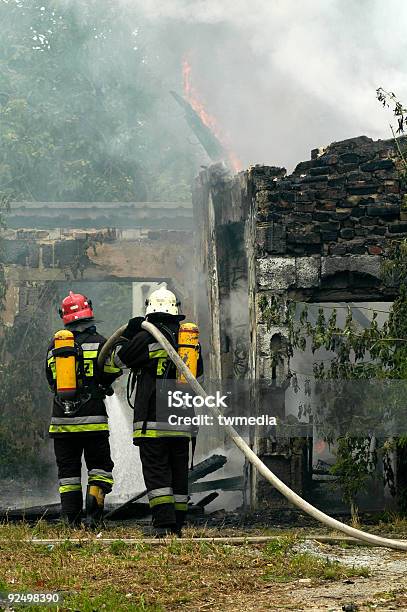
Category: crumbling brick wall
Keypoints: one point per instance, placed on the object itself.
(318, 234)
(346, 200)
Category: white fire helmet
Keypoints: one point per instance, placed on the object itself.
(162, 300)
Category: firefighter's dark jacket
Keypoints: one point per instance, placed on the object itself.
(90, 415)
(155, 375)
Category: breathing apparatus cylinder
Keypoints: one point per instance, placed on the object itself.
(65, 365)
(188, 349)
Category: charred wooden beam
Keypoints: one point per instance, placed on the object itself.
(206, 137)
(234, 483)
(202, 469)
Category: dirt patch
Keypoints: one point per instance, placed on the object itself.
(384, 589)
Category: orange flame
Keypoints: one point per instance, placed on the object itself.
(192, 97)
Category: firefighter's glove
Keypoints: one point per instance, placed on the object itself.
(133, 327)
(129, 353)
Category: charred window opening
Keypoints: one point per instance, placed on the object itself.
(278, 352)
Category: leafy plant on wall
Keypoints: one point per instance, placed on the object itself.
(366, 370)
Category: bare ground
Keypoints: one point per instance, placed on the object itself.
(385, 588)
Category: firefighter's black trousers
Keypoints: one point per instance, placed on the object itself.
(165, 470)
(68, 452)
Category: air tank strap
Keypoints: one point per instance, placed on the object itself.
(67, 351)
(193, 447)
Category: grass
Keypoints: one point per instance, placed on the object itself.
(393, 523)
(44, 530)
(140, 577)
(286, 564)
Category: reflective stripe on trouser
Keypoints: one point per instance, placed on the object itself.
(165, 470)
(79, 424)
(160, 429)
(181, 502)
(101, 477)
(68, 452)
(67, 485)
(163, 495)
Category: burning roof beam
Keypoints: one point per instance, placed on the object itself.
(208, 140)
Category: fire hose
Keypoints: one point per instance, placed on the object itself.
(278, 484)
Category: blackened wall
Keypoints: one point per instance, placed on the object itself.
(347, 199)
(318, 234)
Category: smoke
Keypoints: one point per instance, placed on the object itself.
(285, 76)
(234, 466)
(279, 76)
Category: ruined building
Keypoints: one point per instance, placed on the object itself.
(316, 235)
(60, 242)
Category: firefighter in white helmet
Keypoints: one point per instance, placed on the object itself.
(163, 301)
(164, 448)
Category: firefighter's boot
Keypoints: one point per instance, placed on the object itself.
(95, 502)
(71, 520)
(162, 532)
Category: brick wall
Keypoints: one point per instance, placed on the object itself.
(346, 200)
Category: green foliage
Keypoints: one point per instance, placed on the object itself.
(4, 205)
(389, 100)
(354, 465)
(24, 397)
(376, 354)
(106, 598)
(84, 110)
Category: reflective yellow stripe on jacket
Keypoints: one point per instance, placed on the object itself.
(157, 429)
(110, 367)
(78, 424)
(155, 351)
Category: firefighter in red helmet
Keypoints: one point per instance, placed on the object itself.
(79, 425)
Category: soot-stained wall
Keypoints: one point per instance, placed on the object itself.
(318, 234)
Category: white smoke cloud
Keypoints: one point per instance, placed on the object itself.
(285, 76)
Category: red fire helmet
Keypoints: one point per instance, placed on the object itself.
(75, 307)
